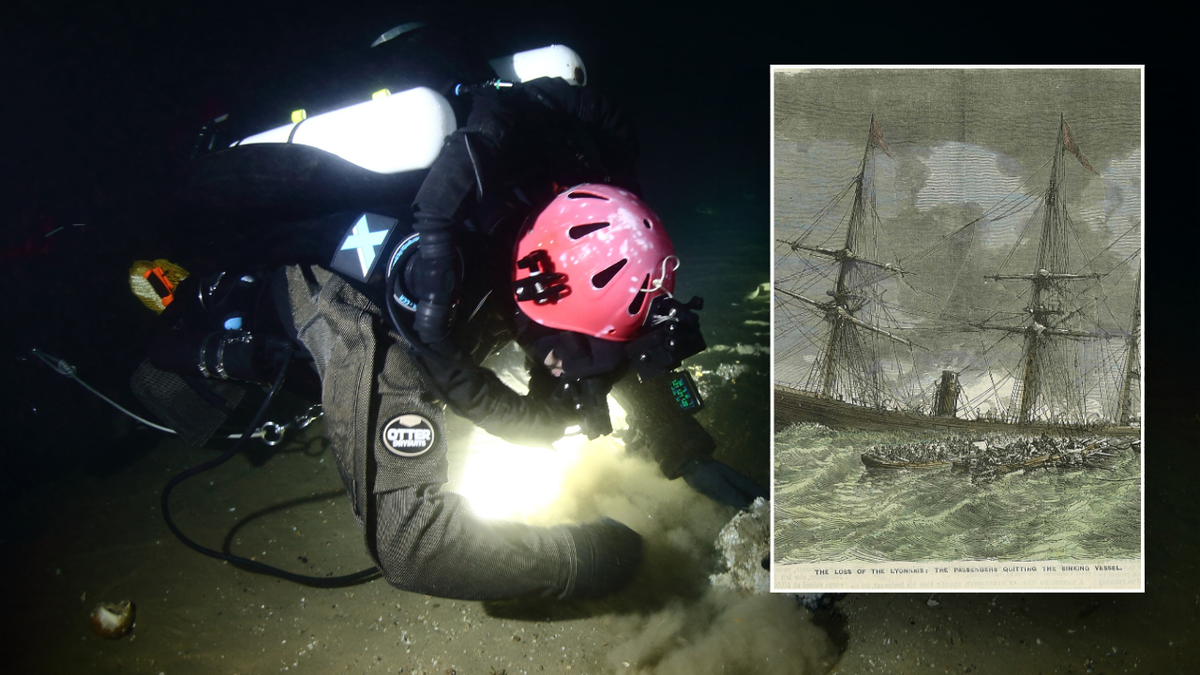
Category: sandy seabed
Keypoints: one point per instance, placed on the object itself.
(104, 540)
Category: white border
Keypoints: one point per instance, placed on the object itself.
(984, 587)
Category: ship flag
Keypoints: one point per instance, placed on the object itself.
(876, 137)
(1070, 146)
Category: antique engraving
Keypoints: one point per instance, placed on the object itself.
(957, 328)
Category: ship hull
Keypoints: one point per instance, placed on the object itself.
(793, 406)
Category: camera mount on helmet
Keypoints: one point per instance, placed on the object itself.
(542, 285)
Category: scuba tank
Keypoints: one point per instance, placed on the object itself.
(393, 133)
(389, 134)
(551, 61)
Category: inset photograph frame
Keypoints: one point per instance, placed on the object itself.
(957, 328)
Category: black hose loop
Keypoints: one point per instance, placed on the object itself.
(246, 563)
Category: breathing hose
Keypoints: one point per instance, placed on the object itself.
(246, 563)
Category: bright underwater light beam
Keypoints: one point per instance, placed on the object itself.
(505, 481)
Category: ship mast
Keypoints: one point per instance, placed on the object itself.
(847, 300)
(1053, 263)
(841, 298)
(1132, 360)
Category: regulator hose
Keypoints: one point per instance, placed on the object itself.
(246, 563)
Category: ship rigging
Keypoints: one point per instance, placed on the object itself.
(857, 375)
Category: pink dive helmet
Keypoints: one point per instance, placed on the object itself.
(592, 261)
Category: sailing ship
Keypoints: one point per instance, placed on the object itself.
(855, 381)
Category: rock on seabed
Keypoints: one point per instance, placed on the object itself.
(742, 545)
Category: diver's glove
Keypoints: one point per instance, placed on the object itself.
(607, 555)
(433, 277)
(722, 483)
(589, 397)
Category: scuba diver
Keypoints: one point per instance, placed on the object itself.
(391, 289)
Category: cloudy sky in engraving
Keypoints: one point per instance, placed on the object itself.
(963, 143)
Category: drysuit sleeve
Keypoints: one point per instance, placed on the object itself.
(658, 428)
(477, 394)
(448, 192)
(453, 181)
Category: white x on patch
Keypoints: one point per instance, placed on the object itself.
(365, 241)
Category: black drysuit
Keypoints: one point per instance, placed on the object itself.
(515, 149)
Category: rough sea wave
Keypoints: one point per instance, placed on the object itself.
(829, 507)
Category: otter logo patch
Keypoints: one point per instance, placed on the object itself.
(408, 435)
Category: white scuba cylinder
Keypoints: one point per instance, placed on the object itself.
(389, 134)
(551, 61)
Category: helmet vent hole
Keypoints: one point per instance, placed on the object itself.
(601, 279)
(646, 223)
(636, 305)
(580, 194)
(584, 230)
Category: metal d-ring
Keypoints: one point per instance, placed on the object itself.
(272, 429)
